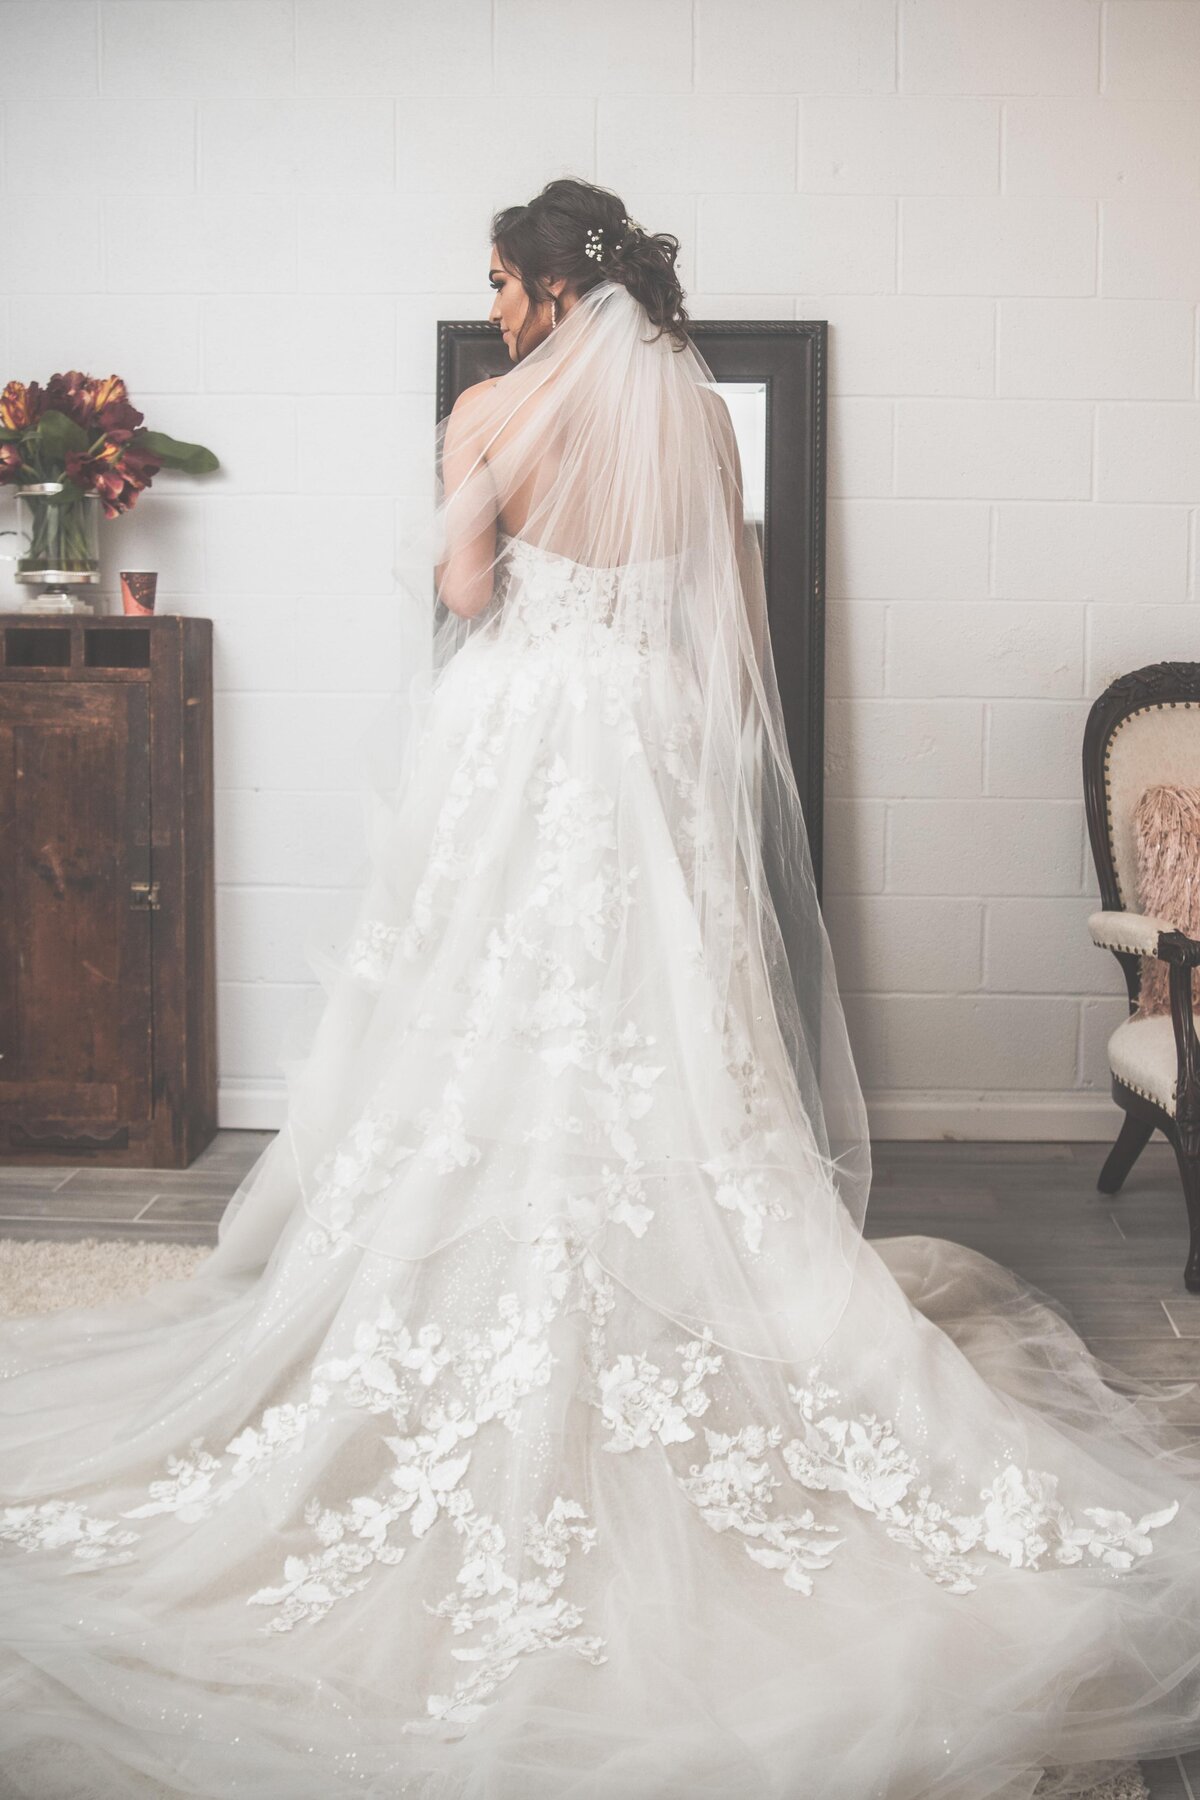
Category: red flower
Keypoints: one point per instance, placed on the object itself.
(110, 464)
(118, 472)
(90, 401)
(69, 394)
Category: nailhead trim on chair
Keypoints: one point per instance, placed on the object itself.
(1168, 1106)
(1146, 1095)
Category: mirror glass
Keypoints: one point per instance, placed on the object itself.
(747, 403)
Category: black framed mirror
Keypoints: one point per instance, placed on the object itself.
(771, 374)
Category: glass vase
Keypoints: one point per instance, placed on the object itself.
(57, 550)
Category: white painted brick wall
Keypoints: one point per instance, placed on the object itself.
(255, 211)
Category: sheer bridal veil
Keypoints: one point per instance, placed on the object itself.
(601, 471)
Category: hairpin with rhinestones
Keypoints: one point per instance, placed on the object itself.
(594, 246)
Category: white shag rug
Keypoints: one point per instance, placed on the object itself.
(43, 1276)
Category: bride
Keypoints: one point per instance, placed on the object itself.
(543, 1425)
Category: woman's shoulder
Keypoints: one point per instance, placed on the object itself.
(467, 414)
(472, 395)
(715, 405)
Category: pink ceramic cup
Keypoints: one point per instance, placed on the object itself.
(138, 589)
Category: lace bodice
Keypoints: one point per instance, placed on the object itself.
(545, 593)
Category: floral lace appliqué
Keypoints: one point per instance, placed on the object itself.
(63, 1525)
(514, 1616)
(734, 1491)
(861, 1458)
(386, 1373)
(372, 948)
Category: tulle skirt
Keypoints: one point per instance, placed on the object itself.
(494, 1454)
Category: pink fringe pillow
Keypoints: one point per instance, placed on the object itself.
(1166, 824)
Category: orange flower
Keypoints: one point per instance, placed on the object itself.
(111, 405)
(104, 392)
(21, 406)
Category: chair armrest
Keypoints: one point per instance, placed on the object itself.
(1137, 932)
(1184, 955)
(1178, 948)
(1144, 935)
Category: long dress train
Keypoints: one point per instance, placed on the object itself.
(436, 1479)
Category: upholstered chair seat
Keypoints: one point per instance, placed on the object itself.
(1141, 1053)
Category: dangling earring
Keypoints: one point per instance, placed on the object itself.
(553, 311)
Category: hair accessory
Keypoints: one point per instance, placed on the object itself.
(594, 246)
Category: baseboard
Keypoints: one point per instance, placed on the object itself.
(251, 1105)
(1081, 1118)
(1058, 1118)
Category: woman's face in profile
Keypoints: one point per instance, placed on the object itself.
(524, 326)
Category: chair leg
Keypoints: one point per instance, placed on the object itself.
(1189, 1174)
(1135, 1134)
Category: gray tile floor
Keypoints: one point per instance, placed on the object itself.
(1114, 1263)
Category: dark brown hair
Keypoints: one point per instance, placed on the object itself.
(548, 238)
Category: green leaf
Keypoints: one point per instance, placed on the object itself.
(173, 454)
(56, 436)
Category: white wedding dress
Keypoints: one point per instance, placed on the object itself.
(490, 1454)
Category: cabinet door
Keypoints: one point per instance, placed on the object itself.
(75, 934)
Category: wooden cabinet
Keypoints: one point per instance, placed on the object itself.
(107, 914)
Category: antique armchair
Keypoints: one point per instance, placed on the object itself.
(1143, 730)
